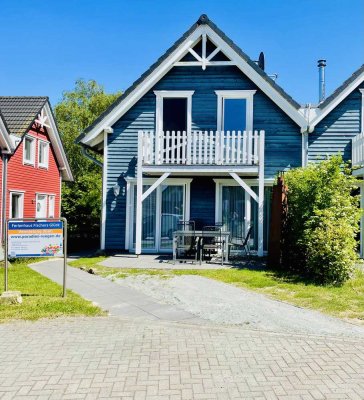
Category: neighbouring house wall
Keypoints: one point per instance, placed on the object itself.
(334, 133)
(33, 179)
(282, 146)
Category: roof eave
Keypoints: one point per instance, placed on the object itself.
(338, 96)
(58, 146)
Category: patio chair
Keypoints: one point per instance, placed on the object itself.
(242, 242)
(186, 247)
(212, 245)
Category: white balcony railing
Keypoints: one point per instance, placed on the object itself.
(201, 147)
(357, 156)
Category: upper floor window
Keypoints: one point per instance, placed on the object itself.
(43, 151)
(173, 110)
(16, 205)
(235, 110)
(29, 150)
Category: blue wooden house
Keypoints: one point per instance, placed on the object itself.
(201, 136)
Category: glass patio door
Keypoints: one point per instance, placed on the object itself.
(233, 210)
(162, 210)
(148, 221)
(172, 211)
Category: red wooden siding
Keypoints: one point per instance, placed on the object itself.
(33, 179)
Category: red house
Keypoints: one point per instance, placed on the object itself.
(33, 162)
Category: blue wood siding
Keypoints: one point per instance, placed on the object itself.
(283, 138)
(334, 133)
(202, 209)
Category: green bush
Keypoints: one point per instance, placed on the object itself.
(319, 239)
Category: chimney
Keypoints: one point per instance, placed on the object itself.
(321, 66)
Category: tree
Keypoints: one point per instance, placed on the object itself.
(81, 199)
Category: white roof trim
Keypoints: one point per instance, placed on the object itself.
(168, 64)
(5, 142)
(57, 145)
(321, 114)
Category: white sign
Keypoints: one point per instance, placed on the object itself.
(35, 239)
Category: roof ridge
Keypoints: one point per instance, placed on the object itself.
(24, 97)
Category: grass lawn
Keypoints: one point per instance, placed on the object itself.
(41, 297)
(345, 302)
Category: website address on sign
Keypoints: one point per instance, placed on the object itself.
(35, 236)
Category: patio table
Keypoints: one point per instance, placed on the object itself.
(198, 234)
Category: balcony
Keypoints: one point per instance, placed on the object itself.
(202, 150)
(357, 157)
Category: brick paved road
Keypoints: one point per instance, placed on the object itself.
(113, 358)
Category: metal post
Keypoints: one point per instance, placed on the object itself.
(6, 259)
(64, 256)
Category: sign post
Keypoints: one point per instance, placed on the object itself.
(35, 237)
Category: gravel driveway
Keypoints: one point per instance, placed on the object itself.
(227, 304)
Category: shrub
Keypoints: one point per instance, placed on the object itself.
(322, 221)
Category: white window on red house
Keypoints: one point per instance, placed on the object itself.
(43, 151)
(16, 205)
(51, 206)
(29, 150)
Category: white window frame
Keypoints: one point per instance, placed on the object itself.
(131, 187)
(33, 144)
(161, 94)
(44, 164)
(21, 194)
(51, 214)
(235, 94)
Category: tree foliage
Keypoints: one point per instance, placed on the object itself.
(81, 199)
(322, 221)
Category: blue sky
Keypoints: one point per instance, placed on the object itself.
(46, 46)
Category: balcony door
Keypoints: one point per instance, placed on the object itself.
(173, 117)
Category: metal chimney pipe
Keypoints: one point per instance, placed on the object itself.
(322, 85)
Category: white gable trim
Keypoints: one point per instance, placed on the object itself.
(5, 142)
(321, 114)
(93, 137)
(57, 145)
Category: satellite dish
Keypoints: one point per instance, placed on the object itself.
(261, 61)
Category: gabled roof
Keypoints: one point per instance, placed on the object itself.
(176, 53)
(19, 113)
(338, 96)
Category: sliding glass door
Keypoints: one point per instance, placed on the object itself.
(162, 210)
(148, 221)
(233, 210)
(236, 210)
(172, 212)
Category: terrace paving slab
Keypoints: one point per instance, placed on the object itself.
(150, 261)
